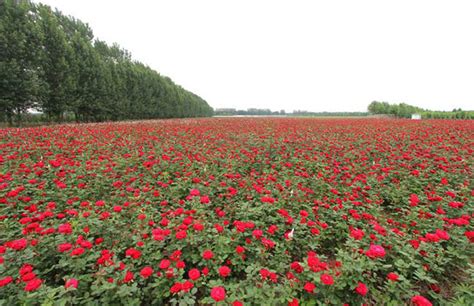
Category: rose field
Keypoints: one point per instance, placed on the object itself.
(238, 211)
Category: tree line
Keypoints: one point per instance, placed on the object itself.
(295, 113)
(52, 63)
(248, 112)
(403, 110)
(304, 113)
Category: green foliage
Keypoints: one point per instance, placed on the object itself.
(52, 63)
(56, 55)
(404, 110)
(19, 57)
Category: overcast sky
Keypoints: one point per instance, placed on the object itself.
(307, 55)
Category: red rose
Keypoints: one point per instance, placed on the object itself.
(219, 228)
(313, 261)
(414, 200)
(239, 249)
(218, 293)
(26, 268)
(309, 287)
(392, 276)
(128, 277)
(33, 284)
(297, 267)
(5, 281)
(71, 283)
(268, 243)
(146, 272)
(187, 285)
(176, 255)
(361, 289)
(257, 234)
(198, 227)
(264, 273)
(419, 300)
(194, 192)
(77, 252)
(181, 235)
(272, 229)
(375, 251)
(135, 254)
(19, 244)
(176, 288)
(164, 264)
(207, 254)
(224, 271)
(194, 274)
(28, 276)
(65, 228)
(432, 237)
(469, 235)
(293, 302)
(86, 244)
(327, 279)
(357, 234)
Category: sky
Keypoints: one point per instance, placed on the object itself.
(298, 55)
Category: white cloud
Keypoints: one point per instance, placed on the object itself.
(312, 55)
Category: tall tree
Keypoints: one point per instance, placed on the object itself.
(20, 85)
(57, 72)
(52, 62)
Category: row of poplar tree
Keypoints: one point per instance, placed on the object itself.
(52, 63)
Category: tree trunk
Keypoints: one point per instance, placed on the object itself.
(18, 117)
(10, 118)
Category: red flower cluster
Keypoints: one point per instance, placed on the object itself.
(218, 210)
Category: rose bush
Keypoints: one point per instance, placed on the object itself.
(238, 212)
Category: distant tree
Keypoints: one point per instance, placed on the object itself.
(379, 108)
(399, 110)
(404, 110)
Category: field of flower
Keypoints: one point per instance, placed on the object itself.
(247, 211)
